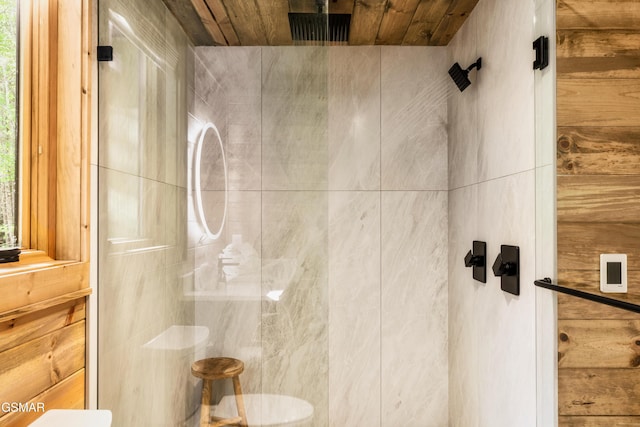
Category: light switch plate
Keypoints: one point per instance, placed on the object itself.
(613, 273)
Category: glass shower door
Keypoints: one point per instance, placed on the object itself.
(146, 343)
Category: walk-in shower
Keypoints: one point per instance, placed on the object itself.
(306, 210)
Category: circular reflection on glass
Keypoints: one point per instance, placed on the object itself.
(211, 181)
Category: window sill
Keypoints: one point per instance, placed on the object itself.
(37, 278)
(30, 260)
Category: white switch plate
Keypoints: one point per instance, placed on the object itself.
(616, 266)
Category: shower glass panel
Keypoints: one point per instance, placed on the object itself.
(329, 279)
(146, 335)
(546, 265)
(261, 288)
(282, 205)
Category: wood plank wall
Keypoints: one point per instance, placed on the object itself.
(42, 359)
(42, 303)
(598, 153)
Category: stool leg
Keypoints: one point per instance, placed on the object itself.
(239, 401)
(205, 417)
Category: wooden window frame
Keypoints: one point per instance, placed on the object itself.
(55, 135)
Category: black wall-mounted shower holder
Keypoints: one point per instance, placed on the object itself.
(104, 53)
(507, 267)
(541, 46)
(477, 258)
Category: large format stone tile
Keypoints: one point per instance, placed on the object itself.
(505, 85)
(295, 326)
(506, 323)
(354, 118)
(414, 118)
(414, 309)
(354, 308)
(463, 109)
(294, 118)
(463, 290)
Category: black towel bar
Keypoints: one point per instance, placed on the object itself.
(546, 283)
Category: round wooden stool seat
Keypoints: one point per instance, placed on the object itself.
(217, 368)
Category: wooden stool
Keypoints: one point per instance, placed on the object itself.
(219, 368)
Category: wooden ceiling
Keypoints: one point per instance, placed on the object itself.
(373, 22)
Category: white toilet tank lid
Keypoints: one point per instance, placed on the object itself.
(74, 418)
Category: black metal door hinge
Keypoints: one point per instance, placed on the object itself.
(105, 53)
(541, 46)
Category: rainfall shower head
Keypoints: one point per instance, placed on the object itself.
(460, 76)
(319, 28)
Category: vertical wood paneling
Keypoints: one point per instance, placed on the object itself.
(49, 144)
(598, 99)
(69, 129)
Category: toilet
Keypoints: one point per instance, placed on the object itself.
(268, 410)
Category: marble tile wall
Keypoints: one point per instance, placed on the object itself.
(492, 335)
(333, 181)
(142, 246)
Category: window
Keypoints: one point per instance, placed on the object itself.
(48, 124)
(8, 123)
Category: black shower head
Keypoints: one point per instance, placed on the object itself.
(460, 76)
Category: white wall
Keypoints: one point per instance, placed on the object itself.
(492, 334)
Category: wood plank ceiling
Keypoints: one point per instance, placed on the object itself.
(373, 22)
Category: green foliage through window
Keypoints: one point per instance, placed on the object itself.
(8, 122)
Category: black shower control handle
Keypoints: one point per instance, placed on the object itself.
(476, 258)
(507, 267)
(502, 268)
(471, 260)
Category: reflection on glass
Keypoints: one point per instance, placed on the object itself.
(210, 178)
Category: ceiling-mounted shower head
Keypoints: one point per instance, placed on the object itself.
(460, 76)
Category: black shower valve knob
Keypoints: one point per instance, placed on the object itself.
(507, 267)
(471, 260)
(503, 268)
(476, 258)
